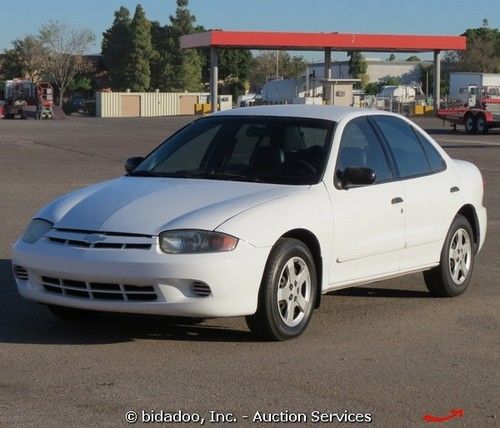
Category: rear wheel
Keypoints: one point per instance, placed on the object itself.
(71, 314)
(454, 272)
(470, 124)
(287, 294)
(481, 124)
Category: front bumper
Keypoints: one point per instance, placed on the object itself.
(233, 277)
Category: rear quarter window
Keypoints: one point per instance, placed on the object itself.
(436, 162)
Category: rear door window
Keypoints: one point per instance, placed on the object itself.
(408, 153)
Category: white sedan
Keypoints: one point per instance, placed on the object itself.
(257, 212)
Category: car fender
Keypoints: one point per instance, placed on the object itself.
(262, 225)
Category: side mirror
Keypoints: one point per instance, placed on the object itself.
(354, 176)
(132, 163)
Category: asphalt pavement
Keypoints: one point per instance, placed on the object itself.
(387, 349)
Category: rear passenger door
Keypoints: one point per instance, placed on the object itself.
(428, 184)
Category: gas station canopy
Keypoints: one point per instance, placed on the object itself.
(320, 41)
(326, 42)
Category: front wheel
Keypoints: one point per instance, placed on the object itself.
(454, 272)
(287, 294)
(470, 124)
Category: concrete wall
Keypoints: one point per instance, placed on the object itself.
(342, 95)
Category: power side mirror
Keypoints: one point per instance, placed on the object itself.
(357, 176)
(132, 163)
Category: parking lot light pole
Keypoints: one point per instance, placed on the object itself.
(214, 78)
(437, 80)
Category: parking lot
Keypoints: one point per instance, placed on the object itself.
(388, 348)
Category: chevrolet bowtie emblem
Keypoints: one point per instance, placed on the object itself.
(96, 237)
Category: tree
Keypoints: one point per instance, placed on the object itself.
(182, 67)
(427, 75)
(116, 49)
(372, 88)
(24, 59)
(358, 68)
(159, 61)
(390, 81)
(62, 56)
(483, 50)
(234, 69)
(235, 63)
(392, 57)
(267, 64)
(138, 71)
(413, 58)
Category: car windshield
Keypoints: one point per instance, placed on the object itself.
(243, 148)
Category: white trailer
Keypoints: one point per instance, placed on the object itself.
(401, 93)
(462, 82)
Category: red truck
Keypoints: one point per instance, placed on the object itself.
(480, 115)
(23, 96)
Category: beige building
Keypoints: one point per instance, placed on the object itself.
(150, 104)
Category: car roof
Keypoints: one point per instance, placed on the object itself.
(333, 113)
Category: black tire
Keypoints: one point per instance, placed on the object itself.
(268, 322)
(71, 314)
(470, 124)
(439, 280)
(481, 124)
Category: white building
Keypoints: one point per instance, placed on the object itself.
(378, 70)
(300, 91)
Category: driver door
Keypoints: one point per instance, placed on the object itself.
(368, 229)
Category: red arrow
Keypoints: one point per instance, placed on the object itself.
(454, 413)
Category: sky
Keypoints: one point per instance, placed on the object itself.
(452, 17)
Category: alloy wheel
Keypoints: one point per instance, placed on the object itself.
(460, 255)
(294, 291)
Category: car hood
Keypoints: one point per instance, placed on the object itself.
(147, 205)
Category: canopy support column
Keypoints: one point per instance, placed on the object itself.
(437, 80)
(214, 78)
(327, 87)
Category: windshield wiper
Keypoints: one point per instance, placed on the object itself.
(148, 173)
(224, 176)
(144, 173)
(202, 175)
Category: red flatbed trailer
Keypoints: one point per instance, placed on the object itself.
(479, 119)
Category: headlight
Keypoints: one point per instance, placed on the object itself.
(195, 241)
(35, 230)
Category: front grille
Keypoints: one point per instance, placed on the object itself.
(98, 290)
(84, 244)
(201, 289)
(20, 273)
(101, 240)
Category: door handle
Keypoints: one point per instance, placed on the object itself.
(454, 189)
(397, 200)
